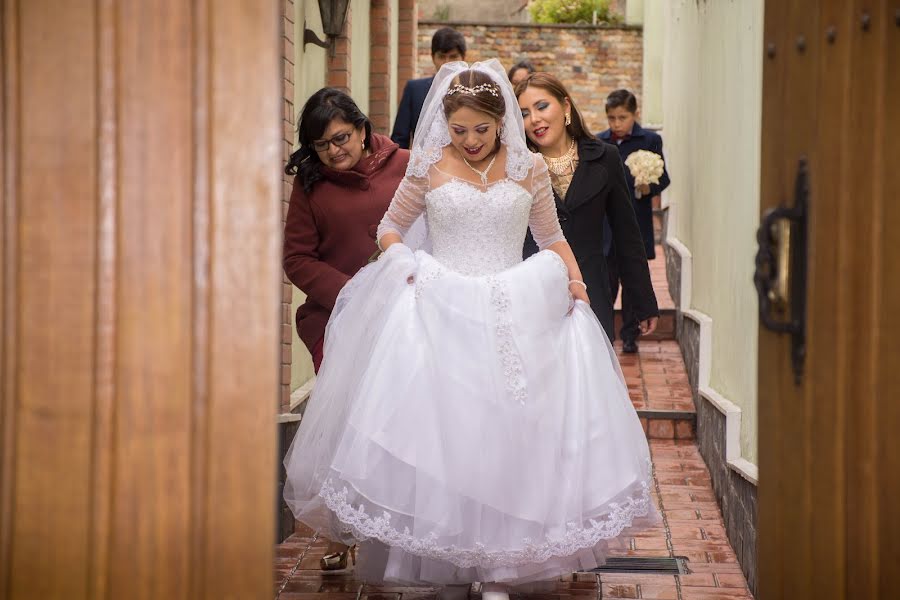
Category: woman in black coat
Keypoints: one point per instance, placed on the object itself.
(589, 183)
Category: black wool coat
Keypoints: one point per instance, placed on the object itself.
(599, 190)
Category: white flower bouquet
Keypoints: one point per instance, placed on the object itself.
(646, 167)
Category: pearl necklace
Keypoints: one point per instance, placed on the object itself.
(562, 165)
(482, 174)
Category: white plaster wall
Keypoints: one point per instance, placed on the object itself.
(712, 90)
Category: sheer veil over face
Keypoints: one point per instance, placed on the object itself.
(433, 133)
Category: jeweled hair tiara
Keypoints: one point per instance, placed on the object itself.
(490, 88)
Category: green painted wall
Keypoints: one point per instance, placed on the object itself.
(712, 85)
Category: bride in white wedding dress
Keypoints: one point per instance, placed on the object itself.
(470, 421)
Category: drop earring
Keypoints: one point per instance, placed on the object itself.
(568, 119)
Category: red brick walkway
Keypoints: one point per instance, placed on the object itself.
(692, 527)
(657, 381)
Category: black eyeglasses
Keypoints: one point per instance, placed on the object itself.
(338, 140)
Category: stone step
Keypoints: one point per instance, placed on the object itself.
(668, 424)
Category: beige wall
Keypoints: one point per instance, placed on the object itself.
(634, 12)
(712, 85)
(655, 30)
(359, 53)
(309, 76)
(309, 63)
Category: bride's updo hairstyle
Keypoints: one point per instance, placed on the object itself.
(476, 90)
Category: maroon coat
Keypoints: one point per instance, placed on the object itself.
(330, 233)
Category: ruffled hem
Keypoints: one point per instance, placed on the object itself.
(579, 536)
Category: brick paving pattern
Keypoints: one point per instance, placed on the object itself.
(656, 377)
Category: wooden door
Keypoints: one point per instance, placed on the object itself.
(141, 295)
(829, 446)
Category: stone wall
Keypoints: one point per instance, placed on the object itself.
(590, 61)
(500, 11)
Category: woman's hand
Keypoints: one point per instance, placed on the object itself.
(644, 189)
(648, 326)
(388, 240)
(579, 291)
(395, 250)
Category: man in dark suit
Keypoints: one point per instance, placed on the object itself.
(626, 133)
(447, 45)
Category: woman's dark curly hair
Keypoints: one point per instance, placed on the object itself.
(319, 111)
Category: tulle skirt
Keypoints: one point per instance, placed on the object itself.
(469, 428)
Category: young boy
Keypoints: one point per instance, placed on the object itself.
(626, 133)
(447, 45)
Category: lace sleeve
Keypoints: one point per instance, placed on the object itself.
(543, 220)
(406, 206)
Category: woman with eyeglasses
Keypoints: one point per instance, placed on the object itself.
(345, 178)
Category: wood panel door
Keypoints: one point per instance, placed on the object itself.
(141, 278)
(829, 446)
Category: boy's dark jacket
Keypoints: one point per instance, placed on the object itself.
(598, 190)
(640, 139)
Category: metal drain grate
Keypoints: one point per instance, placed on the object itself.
(650, 565)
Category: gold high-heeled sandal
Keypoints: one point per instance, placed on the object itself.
(337, 561)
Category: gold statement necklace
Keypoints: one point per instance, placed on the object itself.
(562, 165)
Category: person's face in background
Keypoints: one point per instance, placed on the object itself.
(621, 120)
(440, 57)
(545, 118)
(341, 146)
(518, 75)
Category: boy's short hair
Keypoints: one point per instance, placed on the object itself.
(622, 98)
(447, 39)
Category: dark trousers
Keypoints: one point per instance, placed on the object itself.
(630, 327)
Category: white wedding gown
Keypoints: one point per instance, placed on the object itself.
(465, 422)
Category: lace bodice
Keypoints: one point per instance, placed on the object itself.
(476, 229)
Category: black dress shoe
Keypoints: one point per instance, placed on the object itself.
(629, 346)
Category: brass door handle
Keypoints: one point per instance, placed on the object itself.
(780, 276)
